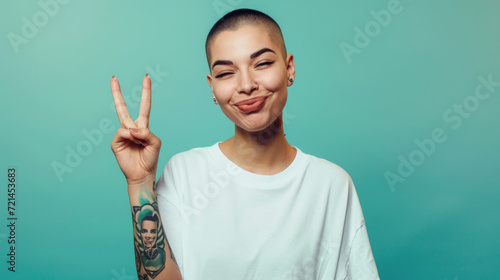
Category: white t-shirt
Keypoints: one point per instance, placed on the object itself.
(224, 222)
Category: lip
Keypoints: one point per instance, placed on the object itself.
(250, 100)
(252, 104)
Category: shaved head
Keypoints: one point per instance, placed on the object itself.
(237, 18)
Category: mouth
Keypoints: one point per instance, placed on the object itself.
(252, 105)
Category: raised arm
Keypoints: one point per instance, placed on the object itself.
(137, 150)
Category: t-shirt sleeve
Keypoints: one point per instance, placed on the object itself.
(168, 204)
(355, 259)
(360, 262)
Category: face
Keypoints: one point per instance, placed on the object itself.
(148, 233)
(249, 76)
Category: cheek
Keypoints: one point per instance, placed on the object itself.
(224, 90)
(273, 81)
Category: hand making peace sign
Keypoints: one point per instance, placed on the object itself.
(136, 149)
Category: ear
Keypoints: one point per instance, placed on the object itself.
(209, 80)
(290, 68)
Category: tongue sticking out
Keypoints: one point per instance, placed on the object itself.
(252, 106)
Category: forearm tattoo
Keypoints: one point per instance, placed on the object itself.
(149, 236)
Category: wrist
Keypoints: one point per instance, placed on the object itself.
(145, 182)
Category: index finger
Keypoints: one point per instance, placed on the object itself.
(121, 107)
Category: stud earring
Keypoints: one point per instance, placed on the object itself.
(215, 100)
(290, 79)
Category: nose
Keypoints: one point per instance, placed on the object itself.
(246, 83)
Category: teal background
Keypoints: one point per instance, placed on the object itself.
(440, 223)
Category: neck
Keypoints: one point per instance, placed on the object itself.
(264, 152)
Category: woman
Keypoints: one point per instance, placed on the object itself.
(253, 206)
(152, 256)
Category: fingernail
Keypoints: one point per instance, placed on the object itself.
(134, 130)
(113, 77)
(147, 75)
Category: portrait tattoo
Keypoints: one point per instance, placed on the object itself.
(137, 260)
(149, 236)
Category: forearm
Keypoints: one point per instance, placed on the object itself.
(154, 258)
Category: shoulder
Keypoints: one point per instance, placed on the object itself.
(327, 170)
(178, 166)
(192, 154)
(189, 158)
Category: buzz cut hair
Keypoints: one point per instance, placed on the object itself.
(237, 18)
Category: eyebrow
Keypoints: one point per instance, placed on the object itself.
(252, 56)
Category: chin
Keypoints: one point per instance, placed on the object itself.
(260, 125)
(254, 130)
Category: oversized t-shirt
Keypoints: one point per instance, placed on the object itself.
(226, 223)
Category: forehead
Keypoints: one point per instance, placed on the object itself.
(242, 41)
(148, 224)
